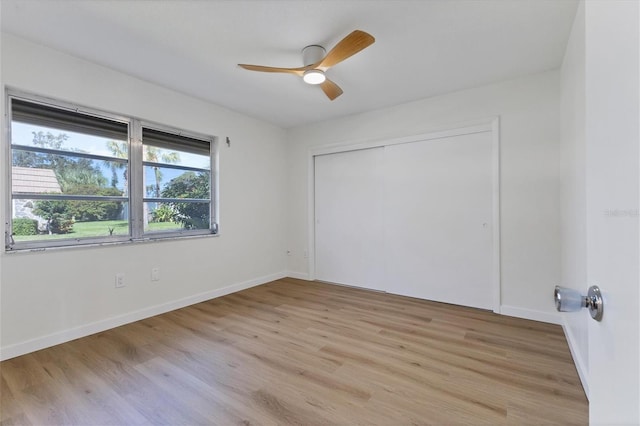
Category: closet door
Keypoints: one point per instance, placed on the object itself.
(348, 218)
(438, 209)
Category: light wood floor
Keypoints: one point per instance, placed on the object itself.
(294, 352)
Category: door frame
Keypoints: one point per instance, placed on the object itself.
(491, 124)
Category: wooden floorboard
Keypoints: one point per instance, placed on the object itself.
(297, 352)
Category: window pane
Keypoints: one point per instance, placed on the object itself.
(176, 216)
(43, 220)
(67, 154)
(64, 140)
(41, 173)
(162, 182)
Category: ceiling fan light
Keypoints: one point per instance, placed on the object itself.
(314, 77)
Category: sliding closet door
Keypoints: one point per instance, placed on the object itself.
(438, 209)
(414, 219)
(349, 216)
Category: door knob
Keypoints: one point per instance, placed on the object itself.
(570, 300)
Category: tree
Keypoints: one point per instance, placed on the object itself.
(55, 211)
(152, 154)
(83, 211)
(38, 159)
(70, 171)
(189, 185)
(119, 150)
(80, 172)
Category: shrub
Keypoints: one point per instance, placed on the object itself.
(163, 213)
(24, 226)
(55, 211)
(60, 224)
(87, 211)
(189, 185)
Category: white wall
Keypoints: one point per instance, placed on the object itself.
(573, 191)
(55, 295)
(530, 132)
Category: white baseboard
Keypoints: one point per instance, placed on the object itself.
(578, 360)
(298, 275)
(38, 343)
(513, 311)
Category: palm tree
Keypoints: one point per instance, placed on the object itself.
(152, 155)
(119, 150)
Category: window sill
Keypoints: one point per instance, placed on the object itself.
(128, 241)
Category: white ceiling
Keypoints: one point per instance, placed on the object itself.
(422, 48)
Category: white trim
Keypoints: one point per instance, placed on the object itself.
(298, 275)
(355, 146)
(581, 366)
(311, 213)
(490, 124)
(6, 150)
(495, 158)
(530, 314)
(38, 343)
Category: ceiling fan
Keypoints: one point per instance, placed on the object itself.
(316, 63)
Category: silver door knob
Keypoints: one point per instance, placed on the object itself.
(570, 300)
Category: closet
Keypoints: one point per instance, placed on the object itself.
(413, 218)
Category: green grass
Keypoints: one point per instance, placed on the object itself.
(98, 229)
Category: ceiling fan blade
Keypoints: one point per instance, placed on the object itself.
(296, 71)
(348, 46)
(331, 89)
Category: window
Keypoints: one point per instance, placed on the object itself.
(86, 177)
(177, 182)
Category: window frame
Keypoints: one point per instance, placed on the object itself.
(213, 181)
(135, 191)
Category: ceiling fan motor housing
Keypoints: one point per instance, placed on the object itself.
(312, 54)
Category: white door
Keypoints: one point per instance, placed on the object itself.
(411, 218)
(613, 241)
(349, 217)
(439, 219)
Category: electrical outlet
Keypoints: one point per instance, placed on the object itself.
(288, 252)
(119, 280)
(155, 274)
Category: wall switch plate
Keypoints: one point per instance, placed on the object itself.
(119, 280)
(155, 274)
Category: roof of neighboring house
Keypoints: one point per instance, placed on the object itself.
(27, 179)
